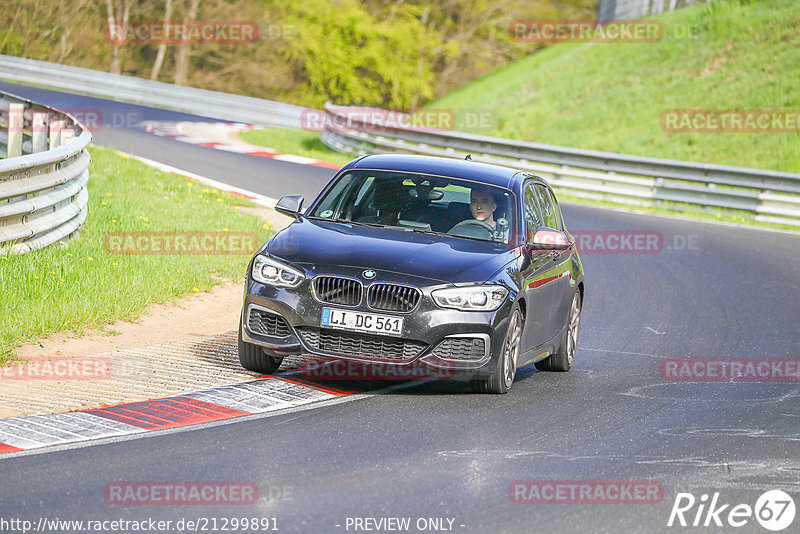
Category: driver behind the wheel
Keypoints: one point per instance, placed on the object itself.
(482, 205)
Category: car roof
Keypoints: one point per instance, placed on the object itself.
(457, 168)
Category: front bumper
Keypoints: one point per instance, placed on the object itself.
(446, 342)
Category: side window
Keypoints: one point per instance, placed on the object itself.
(548, 211)
(532, 217)
(557, 209)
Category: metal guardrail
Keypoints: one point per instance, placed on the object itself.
(213, 104)
(43, 178)
(770, 196)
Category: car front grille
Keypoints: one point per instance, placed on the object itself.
(268, 324)
(461, 348)
(338, 290)
(392, 297)
(363, 346)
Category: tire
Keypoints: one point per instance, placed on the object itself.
(502, 378)
(253, 358)
(561, 360)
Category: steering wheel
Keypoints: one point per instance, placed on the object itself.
(472, 228)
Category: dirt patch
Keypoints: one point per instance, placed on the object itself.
(201, 314)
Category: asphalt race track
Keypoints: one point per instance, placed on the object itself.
(437, 451)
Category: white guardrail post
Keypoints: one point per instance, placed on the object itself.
(43, 195)
(769, 196)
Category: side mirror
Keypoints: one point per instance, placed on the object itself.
(290, 205)
(549, 239)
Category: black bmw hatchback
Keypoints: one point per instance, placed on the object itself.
(461, 268)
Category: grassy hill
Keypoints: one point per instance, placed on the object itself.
(610, 96)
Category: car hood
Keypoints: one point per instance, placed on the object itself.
(447, 259)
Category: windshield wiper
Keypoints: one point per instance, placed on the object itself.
(346, 221)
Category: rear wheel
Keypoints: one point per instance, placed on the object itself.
(503, 376)
(562, 359)
(253, 358)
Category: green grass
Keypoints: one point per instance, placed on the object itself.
(298, 142)
(81, 285)
(610, 96)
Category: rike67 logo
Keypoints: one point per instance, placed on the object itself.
(774, 510)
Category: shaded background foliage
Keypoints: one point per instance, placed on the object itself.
(395, 54)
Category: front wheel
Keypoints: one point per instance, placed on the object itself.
(503, 376)
(253, 358)
(562, 358)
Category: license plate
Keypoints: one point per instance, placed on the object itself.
(371, 323)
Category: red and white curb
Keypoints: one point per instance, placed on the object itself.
(226, 402)
(224, 136)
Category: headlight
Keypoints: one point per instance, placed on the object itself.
(470, 298)
(275, 273)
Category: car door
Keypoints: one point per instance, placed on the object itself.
(560, 274)
(539, 292)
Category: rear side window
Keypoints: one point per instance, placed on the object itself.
(548, 210)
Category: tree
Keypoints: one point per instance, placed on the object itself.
(162, 48)
(116, 31)
(184, 48)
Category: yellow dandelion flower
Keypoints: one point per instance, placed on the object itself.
(89, 258)
(205, 190)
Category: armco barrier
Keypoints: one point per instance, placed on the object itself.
(214, 104)
(771, 196)
(43, 176)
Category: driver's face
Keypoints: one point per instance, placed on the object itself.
(482, 205)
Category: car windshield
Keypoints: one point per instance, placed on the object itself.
(418, 202)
